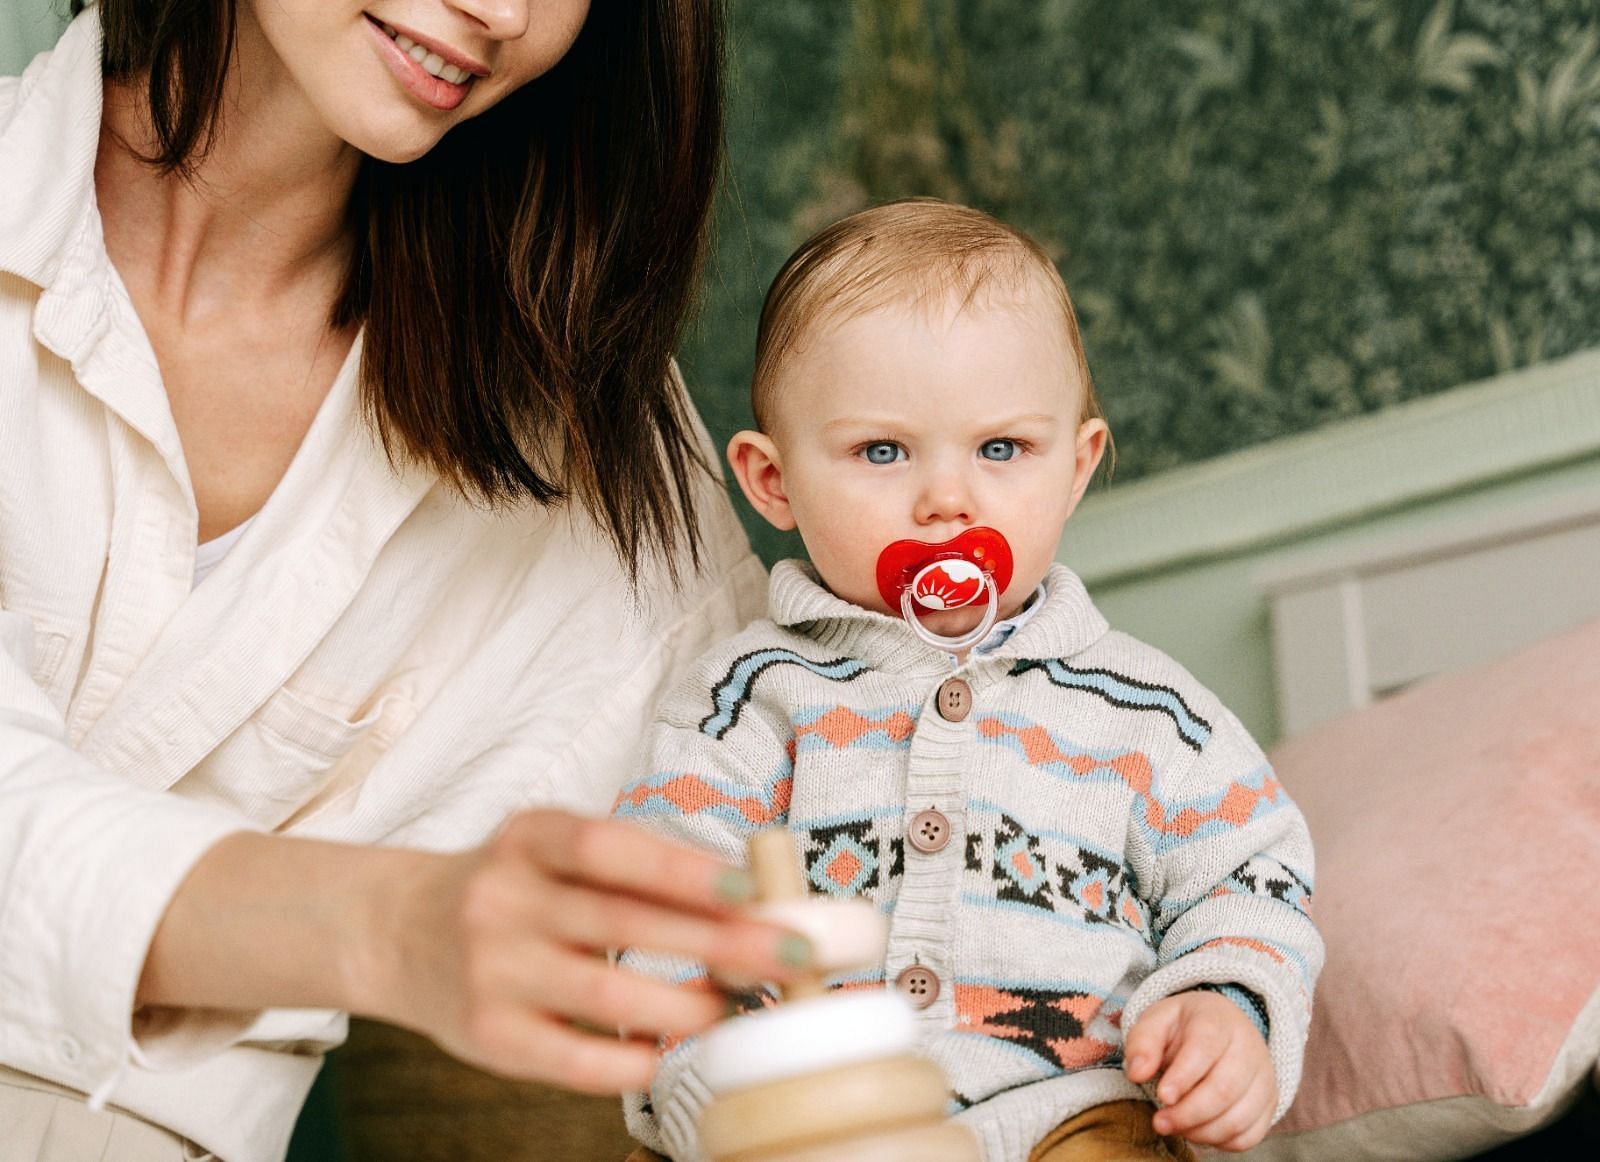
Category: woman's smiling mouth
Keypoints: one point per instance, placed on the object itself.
(433, 73)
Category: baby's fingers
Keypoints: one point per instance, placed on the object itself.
(1149, 1041)
(1206, 1099)
(1242, 1124)
(1199, 1047)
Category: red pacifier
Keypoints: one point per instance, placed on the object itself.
(950, 575)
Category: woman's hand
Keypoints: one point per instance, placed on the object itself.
(497, 953)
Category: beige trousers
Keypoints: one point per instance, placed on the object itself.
(44, 1122)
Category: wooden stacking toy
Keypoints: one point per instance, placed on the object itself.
(823, 1077)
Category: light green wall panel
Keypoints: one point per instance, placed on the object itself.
(1181, 559)
(28, 27)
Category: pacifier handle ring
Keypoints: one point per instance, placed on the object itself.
(954, 645)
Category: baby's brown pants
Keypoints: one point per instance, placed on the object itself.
(1119, 1131)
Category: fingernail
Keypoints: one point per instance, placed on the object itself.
(795, 951)
(735, 886)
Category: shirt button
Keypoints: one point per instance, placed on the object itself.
(918, 985)
(954, 700)
(69, 1049)
(930, 831)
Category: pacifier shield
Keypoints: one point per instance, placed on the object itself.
(947, 584)
(944, 575)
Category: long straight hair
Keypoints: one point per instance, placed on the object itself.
(523, 285)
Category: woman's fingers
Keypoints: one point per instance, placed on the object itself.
(581, 987)
(623, 858)
(739, 948)
(512, 892)
(530, 1045)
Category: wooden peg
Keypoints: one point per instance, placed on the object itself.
(779, 877)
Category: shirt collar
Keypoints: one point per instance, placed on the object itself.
(48, 143)
(1002, 630)
(1061, 622)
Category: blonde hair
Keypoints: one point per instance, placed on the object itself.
(919, 249)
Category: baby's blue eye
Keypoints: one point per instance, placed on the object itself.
(998, 450)
(883, 452)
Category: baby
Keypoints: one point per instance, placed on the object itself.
(1097, 892)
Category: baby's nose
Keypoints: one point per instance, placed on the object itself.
(945, 497)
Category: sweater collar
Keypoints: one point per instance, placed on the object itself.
(1065, 624)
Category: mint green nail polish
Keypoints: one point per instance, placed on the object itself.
(795, 951)
(735, 886)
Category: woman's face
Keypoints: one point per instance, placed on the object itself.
(390, 77)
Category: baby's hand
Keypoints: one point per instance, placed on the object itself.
(1217, 1086)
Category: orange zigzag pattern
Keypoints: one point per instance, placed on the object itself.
(842, 727)
(691, 794)
(1237, 805)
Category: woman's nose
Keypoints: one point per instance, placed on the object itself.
(501, 19)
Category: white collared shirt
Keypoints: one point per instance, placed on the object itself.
(375, 661)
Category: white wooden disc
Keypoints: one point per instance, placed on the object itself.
(807, 1036)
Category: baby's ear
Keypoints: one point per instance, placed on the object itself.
(759, 471)
(1093, 437)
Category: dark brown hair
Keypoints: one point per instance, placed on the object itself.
(524, 284)
(912, 249)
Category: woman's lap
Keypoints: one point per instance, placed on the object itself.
(44, 1122)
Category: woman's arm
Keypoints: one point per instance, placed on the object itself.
(490, 952)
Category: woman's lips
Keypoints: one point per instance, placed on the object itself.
(435, 92)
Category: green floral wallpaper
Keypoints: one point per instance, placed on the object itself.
(1272, 213)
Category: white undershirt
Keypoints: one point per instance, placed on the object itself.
(208, 554)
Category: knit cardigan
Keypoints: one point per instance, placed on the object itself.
(1115, 836)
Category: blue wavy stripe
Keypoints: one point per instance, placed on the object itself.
(1128, 693)
(647, 798)
(730, 694)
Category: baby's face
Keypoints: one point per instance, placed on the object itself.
(919, 422)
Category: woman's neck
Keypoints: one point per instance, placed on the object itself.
(264, 214)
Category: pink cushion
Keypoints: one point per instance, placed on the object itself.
(1457, 831)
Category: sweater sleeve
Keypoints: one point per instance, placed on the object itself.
(720, 769)
(1229, 883)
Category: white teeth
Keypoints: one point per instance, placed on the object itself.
(431, 61)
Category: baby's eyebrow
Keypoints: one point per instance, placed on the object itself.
(1039, 418)
(881, 423)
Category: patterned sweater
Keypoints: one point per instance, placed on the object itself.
(1113, 836)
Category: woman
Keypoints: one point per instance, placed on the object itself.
(348, 499)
